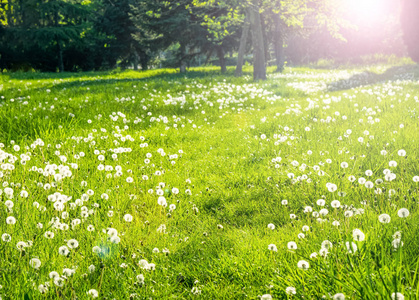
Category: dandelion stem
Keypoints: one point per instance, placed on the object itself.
(101, 278)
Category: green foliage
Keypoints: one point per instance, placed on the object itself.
(163, 24)
(37, 32)
(75, 35)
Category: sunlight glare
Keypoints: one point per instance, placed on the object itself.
(365, 10)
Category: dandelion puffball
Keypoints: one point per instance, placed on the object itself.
(93, 293)
(292, 245)
(302, 264)
(273, 247)
(128, 218)
(403, 213)
(384, 218)
(290, 290)
(397, 296)
(358, 235)
(339, 296)
(35, 263)
(11, 220)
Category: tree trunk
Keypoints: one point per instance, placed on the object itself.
(242, 47)
(60, 57)
(182, 62)
(143, 60)
(259, 67)
(59, 47)
(279, 44)
(135, 59)
(209, 56)
(221, 57)
(265, 38)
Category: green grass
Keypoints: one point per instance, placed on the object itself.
(218, 135)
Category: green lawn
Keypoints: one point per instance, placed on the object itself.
(160, 185)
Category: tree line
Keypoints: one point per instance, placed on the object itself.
(79, 35)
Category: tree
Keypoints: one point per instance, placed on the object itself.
(259, 59)
(93, 34)
(242, 47)
(172, 24)
(115, 23)
(409, 18)
(269, 28)
(221, 20)
(285, 16)
(34, 31)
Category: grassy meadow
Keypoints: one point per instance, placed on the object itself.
(160, 185)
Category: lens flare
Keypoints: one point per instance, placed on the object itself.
(366, 11)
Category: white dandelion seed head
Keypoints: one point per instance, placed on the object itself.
(10, 220)
(397, 235)
(351, 247)
(128, 218)
(327, 244)
(72, 243)
(272, 247)
(358, 235)
(348, 213)
(96, 249)
(323, 252)
(335, 204)
(397, 243)
(321, 202)
(63, 250)
(35, 263)
(339, 296)
(115, 239)
(292, 245)
(302, 264)
(397, 296)
(93, 293)
(91, 268)
(291, 290)
(140, 278)
(323, 212)
(403, 213)
(384, 218)
(162, 201)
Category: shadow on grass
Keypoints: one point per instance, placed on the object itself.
(114, 74)
(99, 83)
(70, 80)
(405, 72)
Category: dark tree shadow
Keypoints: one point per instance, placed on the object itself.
(101, 88)
(113, 74)
(93, 79)
(405, 72)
